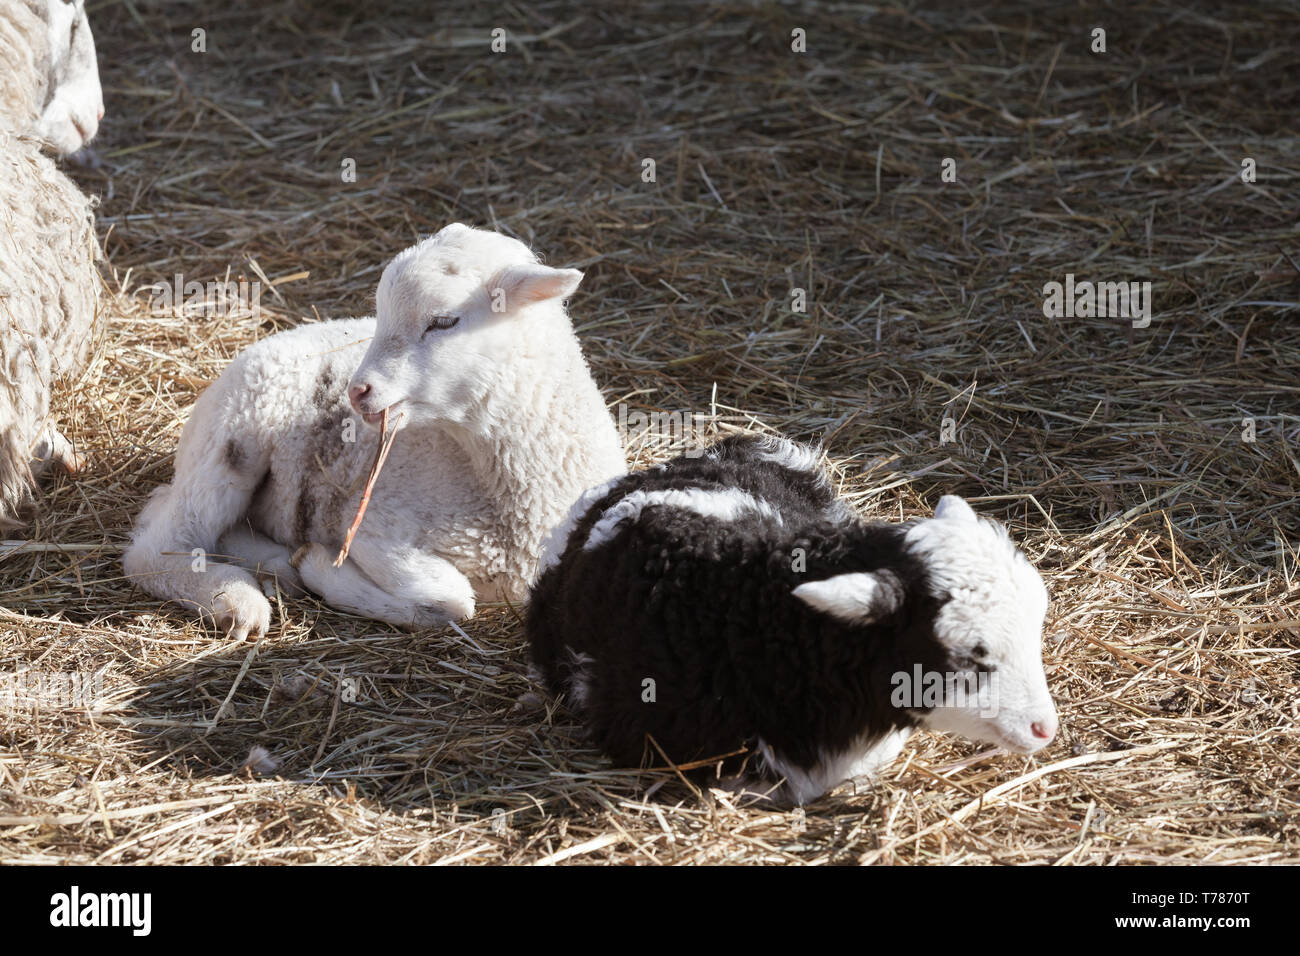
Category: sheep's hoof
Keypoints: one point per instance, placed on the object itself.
(296, 558)
(52, 447)
(74, 464)
(441, 613)
(243, 613)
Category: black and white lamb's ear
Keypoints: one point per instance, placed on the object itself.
(857, 598)
(955, 508)
(532, 282)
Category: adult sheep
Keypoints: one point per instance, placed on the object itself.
(49, 283)
(51, 75)
(472, 353)
(729, 612)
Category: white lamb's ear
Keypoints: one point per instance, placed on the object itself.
(531, 282)
(951, 506)
(857, 598)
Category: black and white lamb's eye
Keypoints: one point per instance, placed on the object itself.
(975, 659)
(441, 323)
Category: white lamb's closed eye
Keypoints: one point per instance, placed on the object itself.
(856, 598)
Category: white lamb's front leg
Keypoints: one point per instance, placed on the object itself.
(419, 590)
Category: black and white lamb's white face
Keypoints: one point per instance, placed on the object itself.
(989, 625)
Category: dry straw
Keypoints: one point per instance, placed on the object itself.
(1117, 455)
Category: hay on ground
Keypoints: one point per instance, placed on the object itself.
(1151, 473)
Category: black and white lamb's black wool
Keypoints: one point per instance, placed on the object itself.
(730, 604)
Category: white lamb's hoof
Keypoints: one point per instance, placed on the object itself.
(296, 558)
(242, 612)
(443, 612)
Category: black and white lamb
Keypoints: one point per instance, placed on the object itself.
(728, 611)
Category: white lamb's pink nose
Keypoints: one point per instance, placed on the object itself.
(1044, 729)
(356, 393)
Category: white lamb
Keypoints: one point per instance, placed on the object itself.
(502, 428)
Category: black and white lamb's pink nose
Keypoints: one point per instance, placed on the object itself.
(1043, 730)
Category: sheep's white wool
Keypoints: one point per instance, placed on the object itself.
(479, 473)
(49, 285)
(725, 505)
(856, 598)
(788, 454)
(993, 617)
(49, 300)
(862, 758)
(558, 538)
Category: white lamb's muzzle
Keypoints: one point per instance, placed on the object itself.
(372, 403)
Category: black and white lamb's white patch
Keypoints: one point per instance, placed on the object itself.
(730, 604)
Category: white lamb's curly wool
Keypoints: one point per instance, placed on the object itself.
(49, 299)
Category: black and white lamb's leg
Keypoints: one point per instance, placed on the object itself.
(879, 755)
(175, 548)
(418, 590)
(863, 759)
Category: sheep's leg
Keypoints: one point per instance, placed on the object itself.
(420, 590)
(882, 753)
(269, 560)
(173, 554)
(52, 447)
